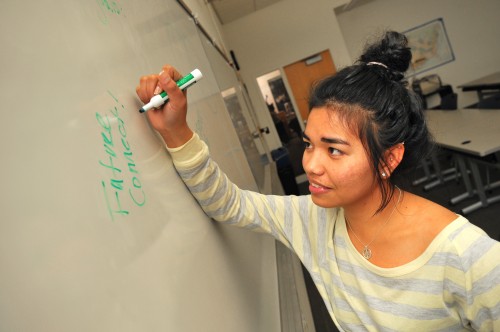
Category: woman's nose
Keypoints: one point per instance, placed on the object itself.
(312, 164)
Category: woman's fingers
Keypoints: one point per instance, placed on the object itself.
(145, 89)
(151, 85)
(167, 81)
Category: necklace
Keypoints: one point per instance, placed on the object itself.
(367, 252)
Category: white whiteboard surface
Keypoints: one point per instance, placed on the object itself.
(97, 232)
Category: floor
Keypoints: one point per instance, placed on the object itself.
(486, 218)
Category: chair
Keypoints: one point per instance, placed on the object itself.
(425, 87)
(430, 85)
(449, 102)
(449, 99)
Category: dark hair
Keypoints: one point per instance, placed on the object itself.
(372, 97)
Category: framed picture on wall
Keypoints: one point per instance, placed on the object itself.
(430, 46)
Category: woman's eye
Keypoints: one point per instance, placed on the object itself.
(334, 152)
(306, 144)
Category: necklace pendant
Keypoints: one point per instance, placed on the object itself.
(367, 253)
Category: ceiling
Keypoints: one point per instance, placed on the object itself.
(230, 10)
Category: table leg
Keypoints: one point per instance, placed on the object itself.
(440, 174)
(427, 174)
(484, 201)
(465, 177)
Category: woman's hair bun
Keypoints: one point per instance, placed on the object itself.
(392, 50)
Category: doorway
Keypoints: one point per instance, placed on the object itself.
(286, 123)
(280, 106)
(301, 75)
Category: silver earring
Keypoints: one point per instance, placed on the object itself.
(384, 175)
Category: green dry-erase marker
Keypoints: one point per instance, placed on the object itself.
(183, 84)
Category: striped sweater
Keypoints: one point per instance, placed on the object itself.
(453, 286)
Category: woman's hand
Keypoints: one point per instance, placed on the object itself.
(170, 119)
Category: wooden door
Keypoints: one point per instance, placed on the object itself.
(302, 74)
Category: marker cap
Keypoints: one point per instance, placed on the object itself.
(197, 74)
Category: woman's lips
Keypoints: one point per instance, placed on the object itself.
(315, 188)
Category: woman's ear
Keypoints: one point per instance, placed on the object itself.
(392, 158)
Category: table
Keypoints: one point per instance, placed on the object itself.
(472, 134)
(484, 86)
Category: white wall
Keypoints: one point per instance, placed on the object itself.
(278, 35)
(291, 30)
(473, 30)
(274, 37)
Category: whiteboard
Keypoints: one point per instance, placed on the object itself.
(240, 110)
(97, 232)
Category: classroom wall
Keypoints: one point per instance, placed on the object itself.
(290, 30)
(281, 34)
(473, 30)
(268, 39)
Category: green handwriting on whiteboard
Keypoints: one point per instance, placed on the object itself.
(106, 7)
(122, 186)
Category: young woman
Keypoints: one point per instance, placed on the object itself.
(382, 259)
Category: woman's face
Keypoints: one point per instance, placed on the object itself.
(336, 164)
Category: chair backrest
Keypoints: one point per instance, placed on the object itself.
(427, 85)
(430, 85)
